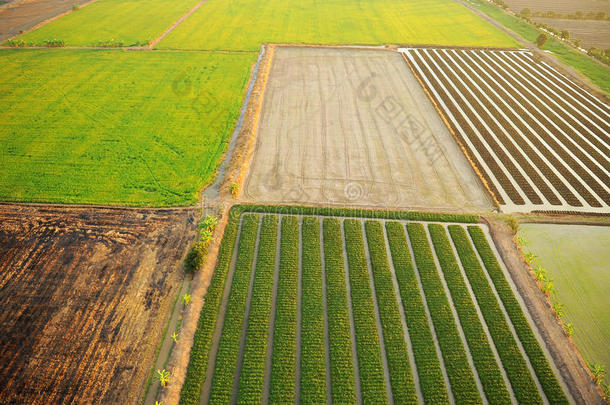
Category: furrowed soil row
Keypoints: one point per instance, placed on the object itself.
(461, 335)
(542, 146)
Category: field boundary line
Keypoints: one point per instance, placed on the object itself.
(441, 114)
(456, 318)
(155, 41)
(422, 293)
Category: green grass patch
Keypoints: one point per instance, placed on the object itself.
(284, 362)
(245, 24)
(252, 373)
(576, 258)
(313, 351)
(112, 23)
(115, 127)
(594, 70)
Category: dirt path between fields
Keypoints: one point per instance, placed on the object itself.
(568, 360)
(155, 41)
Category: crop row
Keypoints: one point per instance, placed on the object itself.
(482, 354)
(228, 349)
(313, 350)
(198, 362)
(283, 368)
(543, 370)
(358, 213)
(251, 380)
(372, 379)
(403, 388)
(512, 360)
(460, 374)
(340, 344)
(431, 379)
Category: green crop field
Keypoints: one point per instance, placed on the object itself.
(245, 24)
(576, 258)
(127, 22)
(115, 127)
(400, 298)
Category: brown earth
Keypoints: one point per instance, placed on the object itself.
(591, 33)
(85, 294)
(560, 6)
(22, 16)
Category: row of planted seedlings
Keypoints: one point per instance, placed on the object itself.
(359, 297)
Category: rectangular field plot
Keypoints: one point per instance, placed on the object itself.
(320, 309)
(348, 126)
(85, 296)
(541, 142)
(115, 127)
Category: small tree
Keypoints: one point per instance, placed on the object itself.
(526, 13)
(186, 299)
(598, 371)
(541, 40)
(175, 337)
(234, 189)
(569, 328)
(565, 34)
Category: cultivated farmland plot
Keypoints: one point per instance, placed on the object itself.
(317, 309)
(353, 126)
(541, 142)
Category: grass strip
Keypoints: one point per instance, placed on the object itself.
(252, 375)
(313, 351)
(283, 366)
(198, 362)
(460, 374)
(340, 344)
(540, 363)
(482, 354)
(512, 360)
(403, 388)
(431, 379)
(360, 213)
(228, 349)
(372, 379)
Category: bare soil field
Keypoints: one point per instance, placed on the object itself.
(353, 126)
(85, 295)
(539, 140)
(560, 6)
(21, 16)
(591, 33)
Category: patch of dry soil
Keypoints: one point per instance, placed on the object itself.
(353, 127)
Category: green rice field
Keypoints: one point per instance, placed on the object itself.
(115, 127)
(576, 258)
(245, 24)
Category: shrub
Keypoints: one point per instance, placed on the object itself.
(234, 189)
(195, 257)
(541, 40)
(75, 7)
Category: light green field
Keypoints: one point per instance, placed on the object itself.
(245, 24)
(115, 127)
(577, 259)
(126, 21)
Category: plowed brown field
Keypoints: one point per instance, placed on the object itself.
(85, 294)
